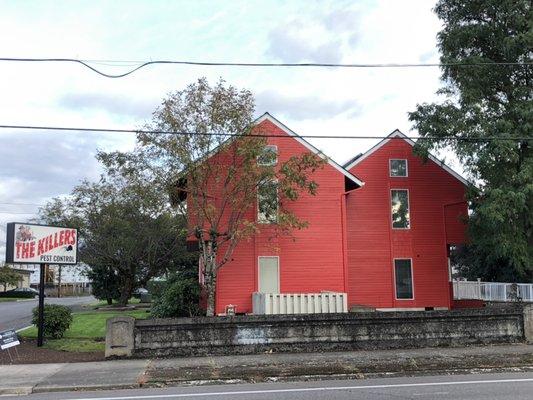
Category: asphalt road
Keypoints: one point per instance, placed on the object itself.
(515, 386)
(17, 314)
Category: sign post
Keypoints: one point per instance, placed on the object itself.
(41, 244)
(40, 322)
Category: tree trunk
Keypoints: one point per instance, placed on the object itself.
(211, 292)
(208, 257)
(125, 293)
(109, 301)
(211, 282)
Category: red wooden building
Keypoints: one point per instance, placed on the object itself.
(400, 227)
(379, 230)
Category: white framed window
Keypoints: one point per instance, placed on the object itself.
(267, 202)
(403, 277)
(268, 274)
(398, 168)
(400, 209)
(269, 156)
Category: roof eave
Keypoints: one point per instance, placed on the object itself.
(397, 133)
(305, 143)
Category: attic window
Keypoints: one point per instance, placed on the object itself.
(398, 168)
(269, 156)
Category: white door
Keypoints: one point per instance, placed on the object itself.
(269, 274)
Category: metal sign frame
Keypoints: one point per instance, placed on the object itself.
(10, 248)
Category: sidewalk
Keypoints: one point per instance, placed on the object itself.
(121, 374)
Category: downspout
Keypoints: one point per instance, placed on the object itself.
(448, 272)
(391, 255)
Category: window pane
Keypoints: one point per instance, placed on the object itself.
(269, 156)
(268, 275)
(400, 208)
(404, 280)
(398, 167)
(267, 202)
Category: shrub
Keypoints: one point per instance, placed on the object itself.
(180, 297)
(156, 288)
(57, 320)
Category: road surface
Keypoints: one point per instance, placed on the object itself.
(515, 386)
(17, 314)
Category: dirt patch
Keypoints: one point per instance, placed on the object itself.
(28, 353)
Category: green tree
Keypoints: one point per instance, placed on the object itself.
(214, 179)
(128, 232)
(105, 283)
(483, 101)
(8, 277)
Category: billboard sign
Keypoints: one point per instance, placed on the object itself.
(41, 244)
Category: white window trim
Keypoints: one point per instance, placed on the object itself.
(408, 209)
(406, 168)
(279, 271)
(267, 222)
(412, 278)
(271, 164)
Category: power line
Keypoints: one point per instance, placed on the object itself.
(86, 64)
(58, 129)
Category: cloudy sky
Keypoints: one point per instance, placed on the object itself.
(35, 166)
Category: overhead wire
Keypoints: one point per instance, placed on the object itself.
(58, 129)
(86, 63)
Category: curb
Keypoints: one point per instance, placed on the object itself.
(17, 391)
(319, 377)
(26, 390)
(23, 329)
(52, 389)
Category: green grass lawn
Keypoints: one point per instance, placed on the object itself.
(87, 331)
(2, 299)
(103, 303)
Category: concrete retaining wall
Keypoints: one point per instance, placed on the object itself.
(322, 332)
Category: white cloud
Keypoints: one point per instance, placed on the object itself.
(304, 107)
(36, 166)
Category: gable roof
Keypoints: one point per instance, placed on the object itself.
(309, 146)
(397, 134)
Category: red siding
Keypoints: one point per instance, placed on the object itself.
(350, 245)
(311, 260)
(373, 244)
(455, 215)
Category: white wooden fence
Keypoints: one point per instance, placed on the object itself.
(493, 291)
(299, 303)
